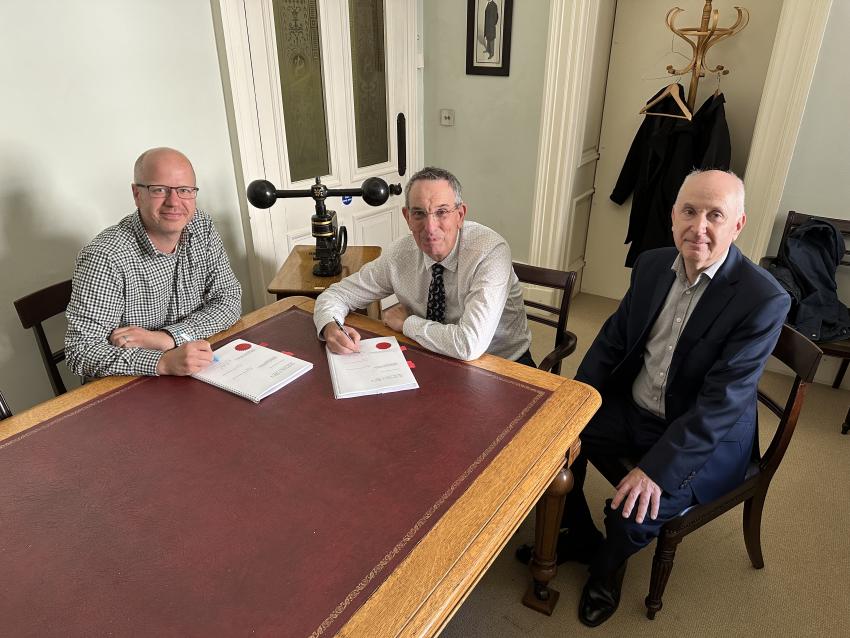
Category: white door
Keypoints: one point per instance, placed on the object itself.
(317, 87)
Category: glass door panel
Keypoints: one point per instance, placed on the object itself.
(299, 52)
(369, 75)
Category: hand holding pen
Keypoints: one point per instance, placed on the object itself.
(189, 358)
(341, 339)
(188, 339)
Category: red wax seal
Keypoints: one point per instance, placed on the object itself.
(264, 344)
(285, 352)
(243, 346)
(410, 364)
(383, 345)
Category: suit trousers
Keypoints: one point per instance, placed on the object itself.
(615, 439)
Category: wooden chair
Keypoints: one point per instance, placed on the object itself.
(803, 357)
(36, 308)
(5, 410)
(565, 341)
(840, 349)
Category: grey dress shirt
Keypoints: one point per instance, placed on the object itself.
(651, 382)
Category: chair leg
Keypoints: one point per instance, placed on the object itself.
(845, 427)
(662, 565)
(839, 376)
(753, 507)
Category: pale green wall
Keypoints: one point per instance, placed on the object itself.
(87, 86)
(817, 181)
(640, 53)
(493, 146)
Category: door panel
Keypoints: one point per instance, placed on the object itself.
(299, 58)
(375, 227)
(369, 86)
(321, 106)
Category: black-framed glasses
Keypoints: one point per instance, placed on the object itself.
(159, 191)
(419, 215)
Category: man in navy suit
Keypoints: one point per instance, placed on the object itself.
(677, 366)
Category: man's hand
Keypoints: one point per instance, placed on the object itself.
(135, 337)
(189, 358)
(394, 317)
(636, 486)
(337, 342)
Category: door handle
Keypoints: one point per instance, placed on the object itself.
(401, 139)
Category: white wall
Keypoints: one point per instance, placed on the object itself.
(640, 52)
(493, 146)
(817, 181)
(87, 86)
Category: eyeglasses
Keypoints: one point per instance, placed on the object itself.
(441, 214)
(159, 191)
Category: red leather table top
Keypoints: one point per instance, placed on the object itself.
(172, 508)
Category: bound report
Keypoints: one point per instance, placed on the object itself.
(252, 371)
(378, 368)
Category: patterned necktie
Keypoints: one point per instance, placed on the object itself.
(436, 295)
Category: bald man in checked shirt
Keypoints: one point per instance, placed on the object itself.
(148, 291)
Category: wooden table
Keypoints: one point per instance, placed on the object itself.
(296, 276)
(426, 588)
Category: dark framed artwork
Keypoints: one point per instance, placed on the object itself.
(488, 37)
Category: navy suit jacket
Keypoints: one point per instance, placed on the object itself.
(710, 401)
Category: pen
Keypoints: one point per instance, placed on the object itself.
(339, 325)
(186, 337)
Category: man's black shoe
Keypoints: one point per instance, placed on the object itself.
(600, 598)
(569, 549)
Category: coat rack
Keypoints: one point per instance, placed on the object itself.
(701, 39)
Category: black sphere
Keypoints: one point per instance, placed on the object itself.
(261, 193)
(375, 191)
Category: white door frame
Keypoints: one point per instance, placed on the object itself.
(230, 24)
(566, 91)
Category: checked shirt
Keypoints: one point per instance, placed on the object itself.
(121, 279)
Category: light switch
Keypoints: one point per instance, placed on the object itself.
(447, 117)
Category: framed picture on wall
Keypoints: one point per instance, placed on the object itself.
(488, 37)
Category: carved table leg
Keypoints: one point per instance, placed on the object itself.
(544, 566)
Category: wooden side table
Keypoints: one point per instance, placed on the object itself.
(296, 276)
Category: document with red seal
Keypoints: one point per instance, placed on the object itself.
(252, 371)
(378, 368)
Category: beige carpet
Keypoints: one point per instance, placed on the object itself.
(804, 589)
